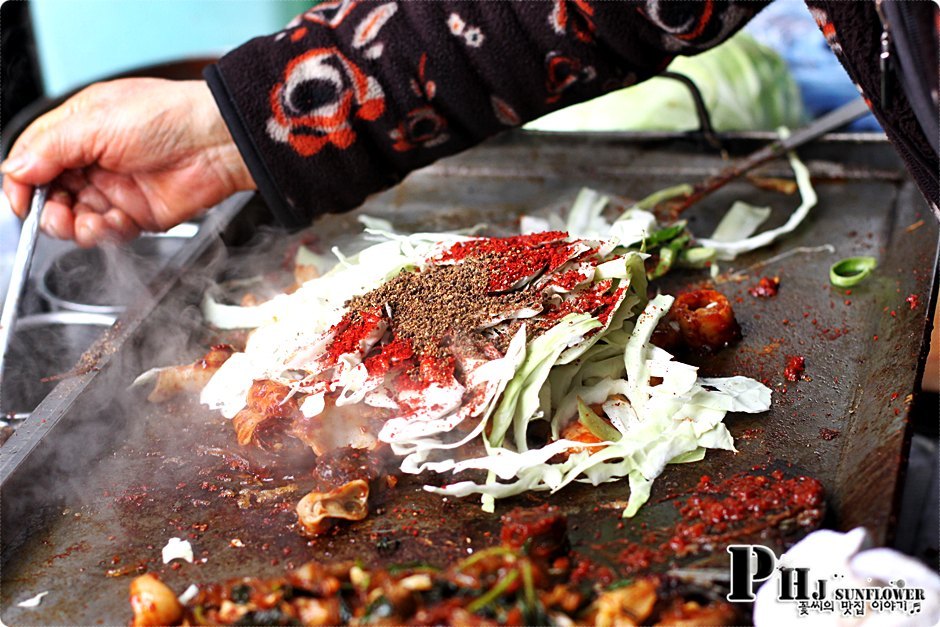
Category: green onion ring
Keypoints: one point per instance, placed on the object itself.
(851, 271)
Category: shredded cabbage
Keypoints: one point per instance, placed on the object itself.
(730, 249)
(741, 221)
(672, 422)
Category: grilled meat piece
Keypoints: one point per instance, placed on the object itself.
(317, 511)
(153, 602)
(174, 380)
(701, 320)
(269, 412)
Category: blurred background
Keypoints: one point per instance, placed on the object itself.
(80, 41)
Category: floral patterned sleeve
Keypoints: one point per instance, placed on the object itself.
(854, 32)
(355, 94)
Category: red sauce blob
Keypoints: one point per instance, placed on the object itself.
(767, 287)
(828, 434)
(796, 365)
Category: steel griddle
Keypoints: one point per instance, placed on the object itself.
(98, 480)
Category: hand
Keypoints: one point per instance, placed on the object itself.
(125, 156)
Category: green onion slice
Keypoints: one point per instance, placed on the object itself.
(851, 271)
(663, 235)
(493, 593)
(597, 425)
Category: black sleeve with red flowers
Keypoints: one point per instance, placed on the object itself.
(854, 32)
(355, 94)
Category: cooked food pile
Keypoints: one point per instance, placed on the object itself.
(529, 579)
(489, 366)
(513, 364)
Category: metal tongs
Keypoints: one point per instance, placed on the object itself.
(19, 273)
(833, 120)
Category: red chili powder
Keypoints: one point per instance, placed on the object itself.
(569, 280)
(608, 306)
(596, 300)
(431, 369)
(395, 353)
(434, 369)
(515, 258)
(499, 245)
(350, 331)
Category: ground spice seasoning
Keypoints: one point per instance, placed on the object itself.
(441, 305)
(440, 316)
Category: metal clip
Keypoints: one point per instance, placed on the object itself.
(885, 62)
(884, 59)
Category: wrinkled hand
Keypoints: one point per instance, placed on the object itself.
(126, 156)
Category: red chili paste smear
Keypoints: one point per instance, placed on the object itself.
(735, 510)
(718, 509)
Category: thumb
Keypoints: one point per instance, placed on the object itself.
(22, 171)
(25, 168)
(34, 164)
(50, 145)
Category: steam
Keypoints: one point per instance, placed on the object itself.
(43, 347)
(111, 450)
(106, 438)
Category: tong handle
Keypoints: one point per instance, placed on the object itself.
(19, 273)
(833, 120)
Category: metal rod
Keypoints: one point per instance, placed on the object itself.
(19, 273)
(831, 121)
